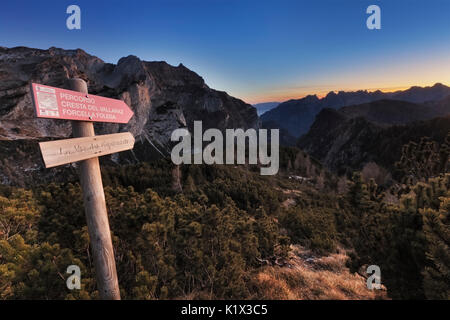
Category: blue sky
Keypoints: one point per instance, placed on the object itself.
(255, 50)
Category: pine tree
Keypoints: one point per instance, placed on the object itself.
(437, 233)
(423, 160)
(358, 195)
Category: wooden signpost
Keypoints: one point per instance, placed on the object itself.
(59, 152)
(76, 104)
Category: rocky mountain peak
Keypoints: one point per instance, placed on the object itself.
(163, 97)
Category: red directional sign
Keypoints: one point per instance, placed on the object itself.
(56, 103)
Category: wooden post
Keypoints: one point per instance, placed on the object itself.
(95, 209)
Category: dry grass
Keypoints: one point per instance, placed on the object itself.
(313, 278)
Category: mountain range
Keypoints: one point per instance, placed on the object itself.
(343, 130)
(297, 116)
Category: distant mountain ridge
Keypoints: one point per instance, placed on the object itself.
(297, 116)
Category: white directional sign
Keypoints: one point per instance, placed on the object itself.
(57, 103)
(60, 152)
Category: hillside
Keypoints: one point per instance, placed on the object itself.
(345, 140)
(395, 112)
(230, 234)
(311, 277)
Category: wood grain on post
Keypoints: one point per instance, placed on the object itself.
(95, 209)
(59, 152)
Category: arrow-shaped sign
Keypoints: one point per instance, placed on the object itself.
(57, 103)
(60, 152)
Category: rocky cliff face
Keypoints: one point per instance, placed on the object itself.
(163, 98)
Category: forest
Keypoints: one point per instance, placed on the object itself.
(212, 236)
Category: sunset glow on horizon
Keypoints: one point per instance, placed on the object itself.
(322, 93)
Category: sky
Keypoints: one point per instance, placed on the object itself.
(257, 51)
